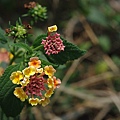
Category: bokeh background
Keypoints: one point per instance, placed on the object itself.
(90, 88)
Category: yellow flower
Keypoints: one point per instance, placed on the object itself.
(52, 28)
(44, 101)
(25, 81)
(29, 71)
(49, 93)
(49, 70)
(11, 56)
(35, 62)
(33, 101)
(39, 70)
(57, 82)
(16, 77)
(19, 93)
(50, 82)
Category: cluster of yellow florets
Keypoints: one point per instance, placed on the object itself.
(36, 84)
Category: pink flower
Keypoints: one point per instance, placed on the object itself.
(4, 55)
(35, 86)
(53, 44)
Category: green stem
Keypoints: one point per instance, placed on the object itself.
(15, 56)
(11, 61)
(38, 48)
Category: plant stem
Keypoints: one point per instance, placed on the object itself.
(38, 48)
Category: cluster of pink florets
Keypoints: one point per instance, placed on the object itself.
(53, 44)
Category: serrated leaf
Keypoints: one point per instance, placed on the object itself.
(71, 52)
(38, 40)
(44, 63)
(10, 104)
(3, 38)
(24, 46)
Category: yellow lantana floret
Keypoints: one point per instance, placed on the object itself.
(44, 101)
(49, 93)
(16, 77)
(57, 82)
(25, 81)
(35, 62)
(39, 70)
(19, 93)
(29, 71)
(52, 28)
(33, 101)
(50, 82)
(49, 70)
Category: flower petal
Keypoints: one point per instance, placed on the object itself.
(33, 101)
(52, 28)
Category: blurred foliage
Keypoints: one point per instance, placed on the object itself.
(103, 17)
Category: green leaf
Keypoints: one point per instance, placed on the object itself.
(86, 45)
(105, 43)
(24, 46)
(71, 52)
(101, 67)
(44, 63)
(97, 16)
(10, 104)
(3, 38)
(38, 40)
(116, 60)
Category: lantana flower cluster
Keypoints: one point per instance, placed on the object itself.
(53, 43)
(36, 10)
(18, 31)
(35, 83)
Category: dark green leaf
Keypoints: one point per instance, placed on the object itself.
(3, 38)
(10, 104)
(24, 46)
(71, 52)
(44, 63)
(38, 40)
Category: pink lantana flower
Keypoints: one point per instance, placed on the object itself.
(53, 43)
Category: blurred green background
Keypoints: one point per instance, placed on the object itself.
(90, 88)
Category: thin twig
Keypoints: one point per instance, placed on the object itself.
(95, 79)
(110, 63)
(103, 112)
(89, 30)
(116, 99)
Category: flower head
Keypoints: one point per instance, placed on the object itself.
(30, 5)
(53, 43)
(16, 77)
(36, 10)
(36, 84)
(17, 31)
